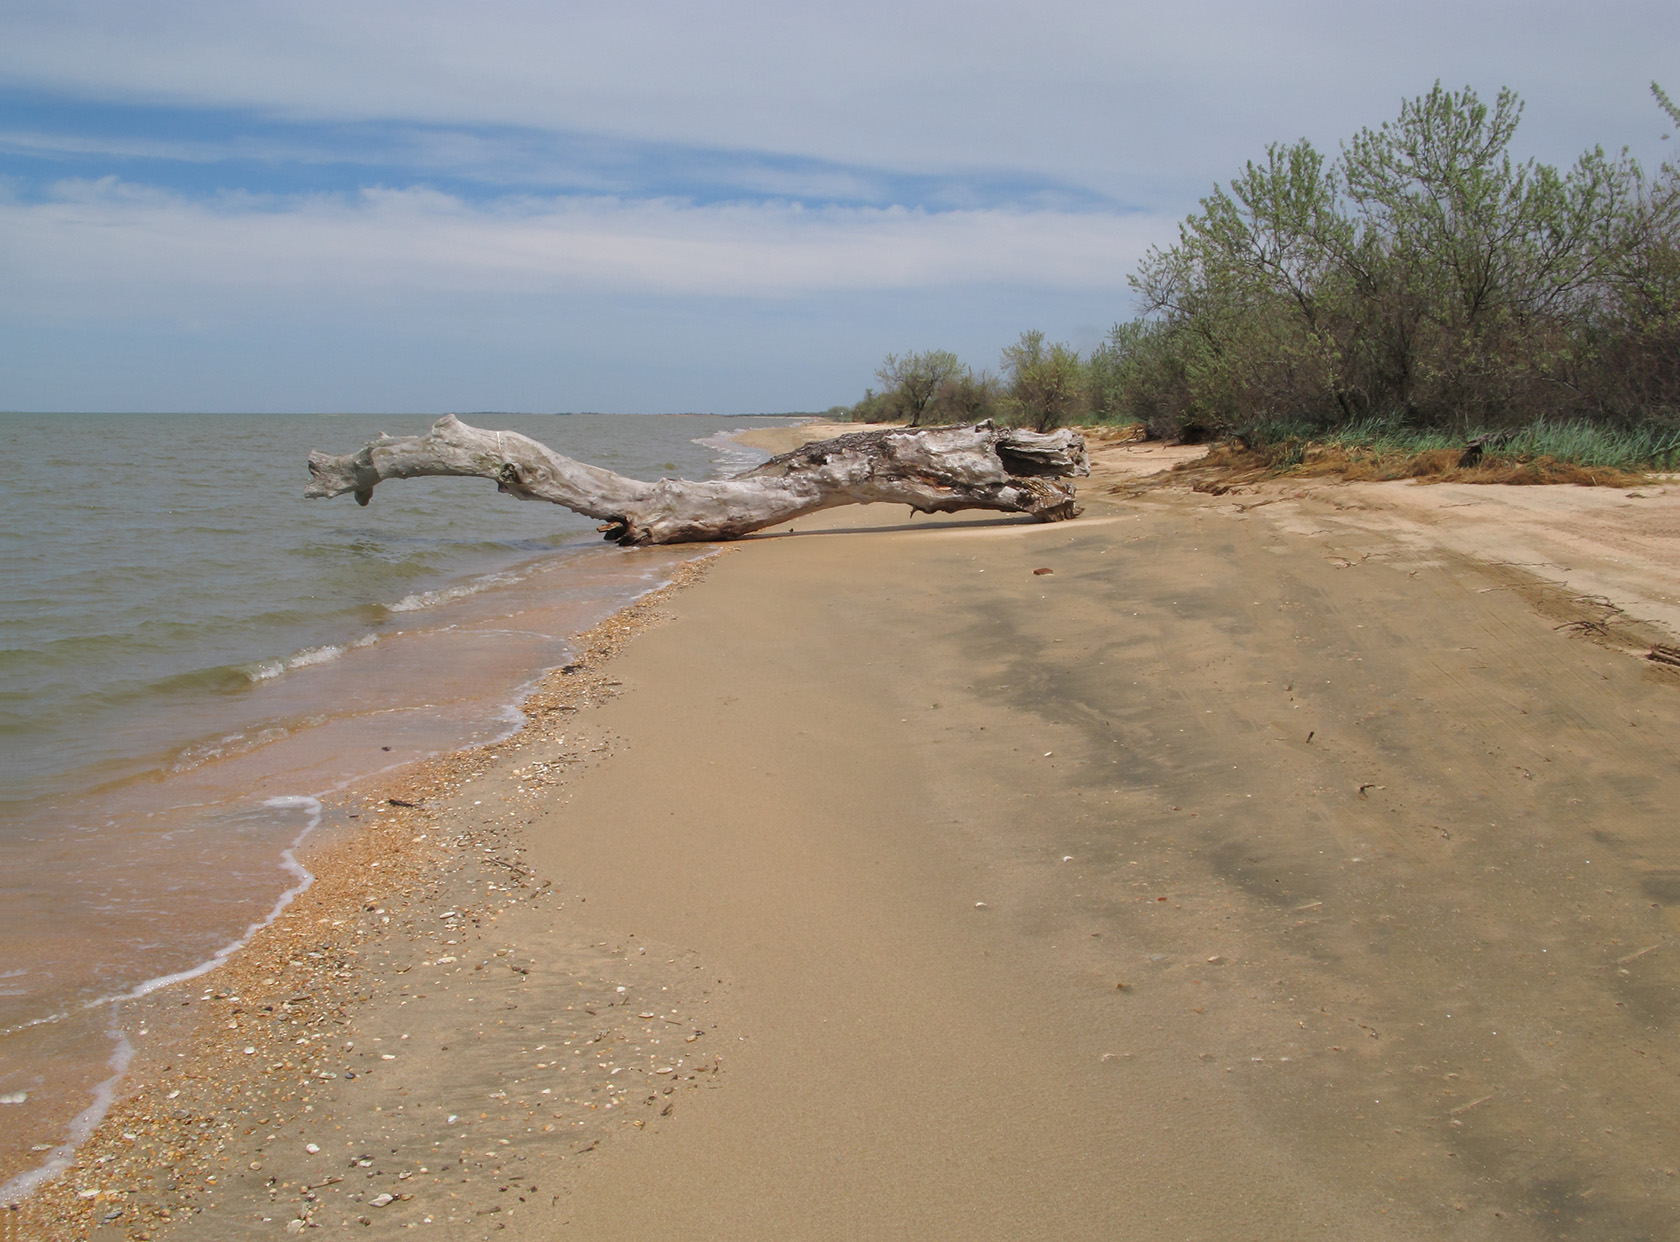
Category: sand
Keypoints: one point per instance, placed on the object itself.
(1289, 864)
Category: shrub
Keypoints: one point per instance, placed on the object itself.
(1046, 384)
(1423, 276)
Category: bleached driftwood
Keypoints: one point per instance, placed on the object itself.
(931, 469)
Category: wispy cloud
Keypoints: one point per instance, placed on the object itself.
(108, 235)
(191, 150)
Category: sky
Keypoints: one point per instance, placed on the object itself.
(406, 205)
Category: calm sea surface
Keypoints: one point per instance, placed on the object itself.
(191, 654)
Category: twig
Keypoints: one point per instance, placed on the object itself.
(1623, 961)
(1464, 1108)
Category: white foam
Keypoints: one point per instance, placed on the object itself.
(729, 456)
(83, 1124)
(221, 748)
(445, 595)
(63, 1156)
(268, 670)
(514, 718)
(288, 863)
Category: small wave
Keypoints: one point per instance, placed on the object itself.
(268, 670)
(729, 456)
(445, 595)
(233, 744)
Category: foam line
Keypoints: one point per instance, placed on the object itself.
(81, 1126)
(85, 1122)
(288, 862)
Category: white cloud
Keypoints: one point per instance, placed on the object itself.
(105, 243)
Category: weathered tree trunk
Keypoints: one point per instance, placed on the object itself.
(931, 469)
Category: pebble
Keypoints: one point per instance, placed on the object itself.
(311, 1149)
(382, 1200)
(15, 1097)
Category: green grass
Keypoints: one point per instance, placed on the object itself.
(1650, 447)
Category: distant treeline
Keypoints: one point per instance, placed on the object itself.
(1422, 279)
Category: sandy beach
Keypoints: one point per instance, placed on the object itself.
(1297, 862)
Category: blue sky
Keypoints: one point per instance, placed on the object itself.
(732, 207)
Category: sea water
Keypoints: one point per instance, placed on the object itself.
(191, 654)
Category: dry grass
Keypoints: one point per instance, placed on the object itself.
(1230, 465)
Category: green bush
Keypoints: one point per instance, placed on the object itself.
(1046, 383)
(928, 388)
(1420, 287)
(1424, 277)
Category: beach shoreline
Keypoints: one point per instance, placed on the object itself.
(1144, 892)
(413, 629)
(376, 855)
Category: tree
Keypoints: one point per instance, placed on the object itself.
(965, 398)
(874, 408)
(1250, 296)
(910, 383)
(1140, 375)
(1480, 260)
(1424, 275)
(1046, 385)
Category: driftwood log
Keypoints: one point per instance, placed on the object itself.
(932, 469)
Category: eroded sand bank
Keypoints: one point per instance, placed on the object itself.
(1290, 864)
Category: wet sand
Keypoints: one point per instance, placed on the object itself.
(1294, 863)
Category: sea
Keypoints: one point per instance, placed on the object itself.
(192, 656)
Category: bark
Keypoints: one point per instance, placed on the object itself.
(931, 469)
